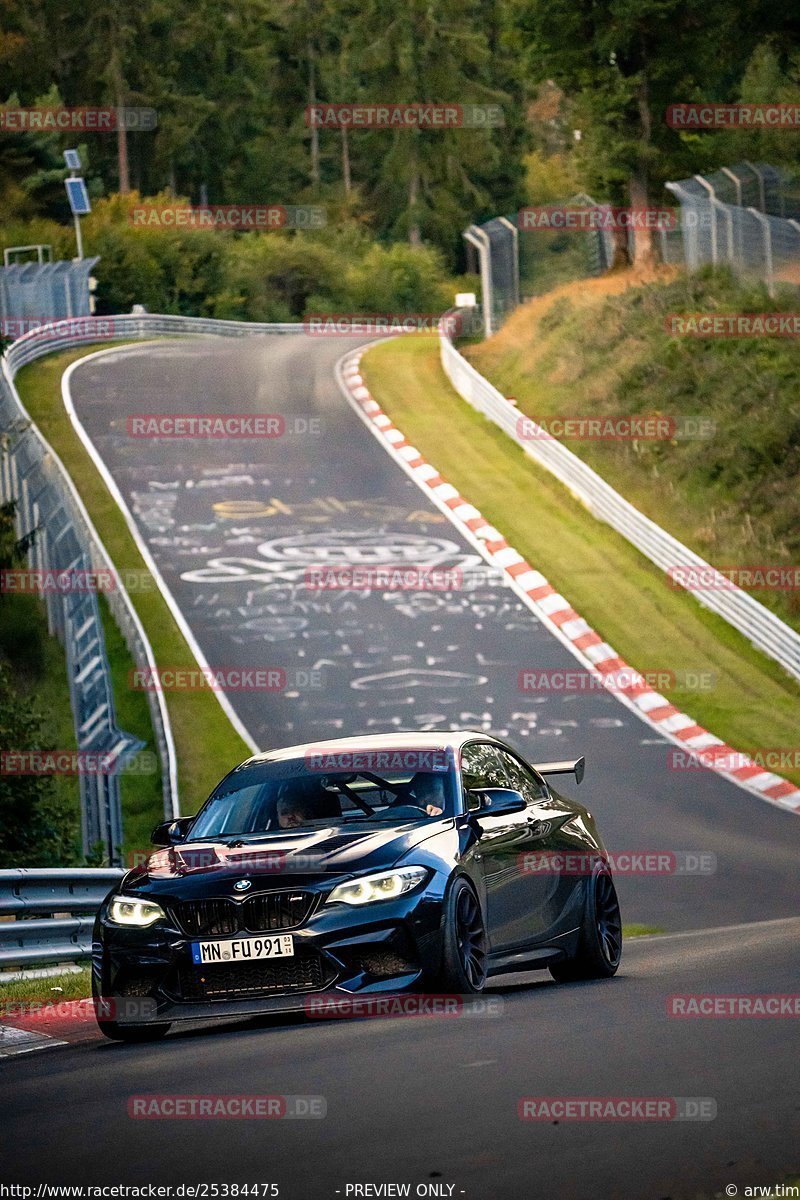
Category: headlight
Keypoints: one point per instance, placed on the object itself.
(388, 885)
(127, 910)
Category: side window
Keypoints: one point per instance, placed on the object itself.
(531, 785)
(482, 766)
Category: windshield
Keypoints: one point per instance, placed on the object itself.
(269, 799)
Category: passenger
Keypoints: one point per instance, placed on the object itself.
(429, 794)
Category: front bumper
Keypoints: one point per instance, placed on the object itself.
(146, 976)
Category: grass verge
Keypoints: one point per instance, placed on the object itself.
(752, 705)
(601, 348)
(52, 989)
(36, 674)
(206, 743)
(141, 795)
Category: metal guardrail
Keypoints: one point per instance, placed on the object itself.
(67, 334)
(761, 627)
(32, 474)
(53, 913)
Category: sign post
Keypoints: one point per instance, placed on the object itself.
(77, 195)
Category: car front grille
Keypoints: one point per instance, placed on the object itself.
(258, 914)
(307, 971)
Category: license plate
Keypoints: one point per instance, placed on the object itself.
(242, 949)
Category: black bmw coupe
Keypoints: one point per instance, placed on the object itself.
(357, 868)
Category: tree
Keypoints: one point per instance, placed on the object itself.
(38, 827)
(624, 62)
(231, 82)
(768, 78)
(429, 183)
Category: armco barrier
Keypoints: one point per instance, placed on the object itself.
(53, 913)
(48, 339)
(33, 475)
(761, 627)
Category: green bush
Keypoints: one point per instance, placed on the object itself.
(39, 823)
(275, 276)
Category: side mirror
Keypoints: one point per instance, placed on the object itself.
(495, 802)
(170, 832)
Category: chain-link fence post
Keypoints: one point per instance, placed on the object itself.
(704, 183)
(727, 215)
(514, 232)
(769, 269)
(762, 195)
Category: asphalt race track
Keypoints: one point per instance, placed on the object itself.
(434, 1100)
(233, 527)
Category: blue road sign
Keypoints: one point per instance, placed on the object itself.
(78, 197)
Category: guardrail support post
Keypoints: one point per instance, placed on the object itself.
(478, 238)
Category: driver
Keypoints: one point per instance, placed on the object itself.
(294, 811)
(429, 794)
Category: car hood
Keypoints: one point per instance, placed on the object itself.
(286, 860)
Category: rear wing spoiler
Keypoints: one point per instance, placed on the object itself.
(568, 766)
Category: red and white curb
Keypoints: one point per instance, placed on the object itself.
(557, 614)
(30, 1025)
(14, 1041)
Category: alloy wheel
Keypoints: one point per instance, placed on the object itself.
(607, 916)
(471, 938)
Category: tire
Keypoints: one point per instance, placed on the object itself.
(600, 939)
(132, 1033)
(115, 1031)
(464, 942)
